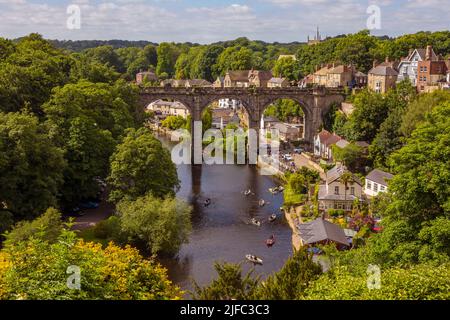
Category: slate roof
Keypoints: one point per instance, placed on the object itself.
(342, 143)
(241, 76)
(321, 230)
(277, 80)
(379, 177)
(383, 71)
(335, 173)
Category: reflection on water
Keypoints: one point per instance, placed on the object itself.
(222, 232)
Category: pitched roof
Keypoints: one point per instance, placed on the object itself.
(332, 140)
(198, 83)
(379, 177)
(337, 172)
(383, 71)
(277, 80)
(340, 69)
(422, 53)
(342, 143)
(321, 230)
(324, 135)
(322, 72)
(241, 76)
(261, 74)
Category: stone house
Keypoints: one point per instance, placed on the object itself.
(236, 79)
(259, 78)
(376, 182)
(146, 76)
(163, 109)
(197, 83)
(340, 76)
(219, 83)
(336, 194)
(289, 132)
(320, 77)
(381, 78)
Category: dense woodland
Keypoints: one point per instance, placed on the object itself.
(70, 119)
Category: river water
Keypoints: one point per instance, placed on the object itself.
(222, 232)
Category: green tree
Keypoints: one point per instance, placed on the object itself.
(350, 156)
(141, 165)
(292, 280)
(230, 284)
(47, 227)
(174, 122)
(387, 140)
(370, 112)
(417, 110)
(421, 169)
(167, 56)
(288, 68)
(36, 269)
(161, 225)
(31, 166)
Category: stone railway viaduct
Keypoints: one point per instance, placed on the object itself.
(315, 102)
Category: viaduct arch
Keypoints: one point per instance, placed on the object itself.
(316, 102)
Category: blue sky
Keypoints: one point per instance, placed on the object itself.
(205, 21)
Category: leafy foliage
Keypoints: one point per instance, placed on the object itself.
(162, 225)
(37, 270)
(141, 165)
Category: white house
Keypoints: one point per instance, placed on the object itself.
(408, 67)
(376, 182)
(168, 108)
(323, 142)
(229, 104)
(338, 194)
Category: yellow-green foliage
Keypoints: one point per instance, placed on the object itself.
(36, 269)
(419, 282)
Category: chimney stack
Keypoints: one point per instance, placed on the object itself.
(387, 60)
(374, 63)
(429, 54)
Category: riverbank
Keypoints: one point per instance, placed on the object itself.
(293, 218)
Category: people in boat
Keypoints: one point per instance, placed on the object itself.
(262, 203)
(255, 222)
(207, 202)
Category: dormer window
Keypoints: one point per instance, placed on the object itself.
(336, 190)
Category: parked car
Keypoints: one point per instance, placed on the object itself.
(298, 150)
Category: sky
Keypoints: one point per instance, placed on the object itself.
(207, 21)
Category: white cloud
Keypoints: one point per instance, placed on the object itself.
(174, 20)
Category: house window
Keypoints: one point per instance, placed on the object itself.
(336, 190)
(424, 78)
(352, 191)
(382, 188)
(369, 185)
(375, 187)
(425, 69)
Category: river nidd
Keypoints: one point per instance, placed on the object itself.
(222, 232)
